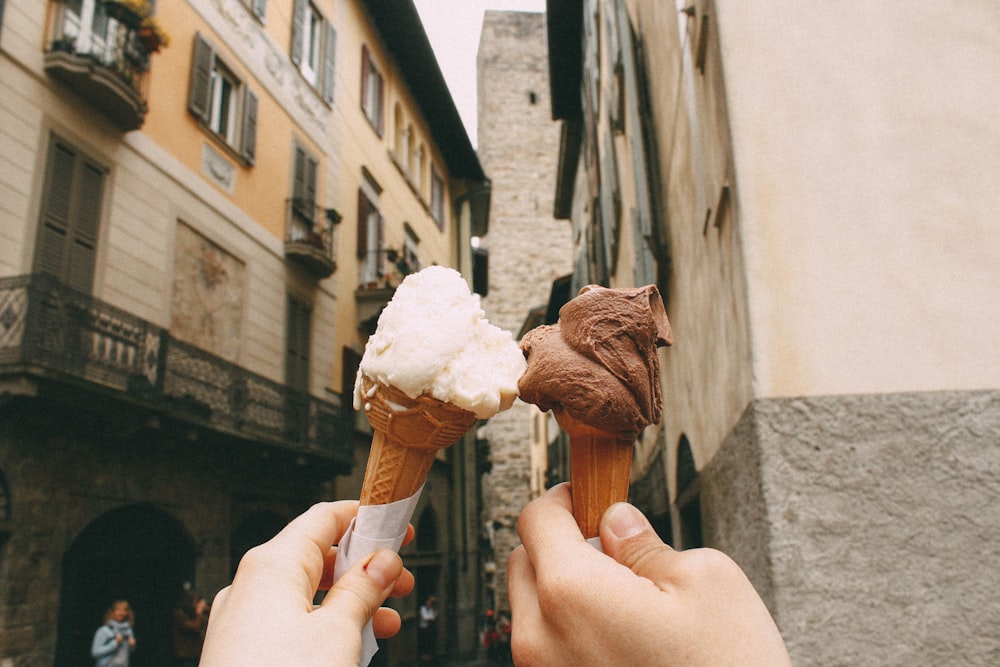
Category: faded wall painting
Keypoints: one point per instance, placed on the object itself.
(207, 304)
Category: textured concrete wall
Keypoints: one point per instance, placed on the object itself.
(518, 148)
(869, 523)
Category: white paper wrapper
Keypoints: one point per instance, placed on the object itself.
(376, 527)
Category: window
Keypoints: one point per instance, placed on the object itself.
(303, 195)
(371, 233)
(437, 198)
(314, 42)
(411, 261)
(224, 104)
(88, 26)
(70, 216)
(371, 91)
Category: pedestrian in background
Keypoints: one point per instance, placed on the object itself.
(188, 631)
(427, 629)
(114, 641)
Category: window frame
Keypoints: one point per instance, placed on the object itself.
(313, 47)
(208, 74)
(437, 206)
(372, 92)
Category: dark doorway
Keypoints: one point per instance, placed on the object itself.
(255, 530)
(136, 553)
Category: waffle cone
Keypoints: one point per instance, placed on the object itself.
(599, 467)
(408, 432)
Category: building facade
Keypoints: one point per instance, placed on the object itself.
(806, 186)
(181, 276)
(528, 250)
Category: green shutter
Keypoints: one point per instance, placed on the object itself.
(202, 63)
(329, 56)
(298, 26)
(310, 184)
(54, 224)
(249, 143)
(363, 211)
(87, 220)
(297, 359)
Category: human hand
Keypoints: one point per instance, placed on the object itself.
(638, 603)
(267, 615)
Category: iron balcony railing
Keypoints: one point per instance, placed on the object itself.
(309, 236)
(104, 58)
(52, 331)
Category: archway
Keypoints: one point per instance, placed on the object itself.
(137, 553)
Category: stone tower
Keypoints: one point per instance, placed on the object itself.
(528, 247)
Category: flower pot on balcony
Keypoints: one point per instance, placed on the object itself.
(150, 38)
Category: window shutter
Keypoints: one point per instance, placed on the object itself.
(199, 95)
(366, 67)
(381, 235)
(310, 184)
(249, 147)
(379, 103)
(299, 182)
(260, 9)
(363, 212)
(55, 209)
(87, 209)
(297, 359)
(330, 54)
(298, 27)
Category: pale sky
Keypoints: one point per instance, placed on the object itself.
(453, 28)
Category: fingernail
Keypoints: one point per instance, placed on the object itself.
(383, 567)
(626, 521)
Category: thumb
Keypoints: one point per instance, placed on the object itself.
(628, 537)
(364, 587)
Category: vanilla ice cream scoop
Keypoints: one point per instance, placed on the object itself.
(433, 339)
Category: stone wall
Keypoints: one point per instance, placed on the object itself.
(868, 523)
(518, 148)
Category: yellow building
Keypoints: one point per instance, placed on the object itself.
(181, 282)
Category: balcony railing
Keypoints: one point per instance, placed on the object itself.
(105, 60)
(51, 331)
(379, 274)
(309, 237)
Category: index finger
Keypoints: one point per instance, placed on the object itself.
(547, 528)
(291, 563)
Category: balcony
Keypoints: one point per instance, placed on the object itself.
(55, 336)
(309, 241)
(379, 274)
(105, 59)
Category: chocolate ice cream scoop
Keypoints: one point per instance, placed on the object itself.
(599, 363)
(598, 370)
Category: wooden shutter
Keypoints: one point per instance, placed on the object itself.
(260, 9)
(249, 142)
(298, 27)
(366, 67)
(379, 103)
(310, 184)
(70, 217)
(328, 62)
(297, 355)
(364, 209)
(87, 214)
(202, 63)
(298, 180)
(54, 226)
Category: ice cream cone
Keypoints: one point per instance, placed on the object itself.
(408, 433)
(599, 467)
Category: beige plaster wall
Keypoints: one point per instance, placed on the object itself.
(867, 159)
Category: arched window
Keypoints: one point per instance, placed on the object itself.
(688, 501)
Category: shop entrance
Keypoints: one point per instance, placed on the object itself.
(136, 553)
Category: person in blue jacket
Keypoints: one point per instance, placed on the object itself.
(114, 641)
